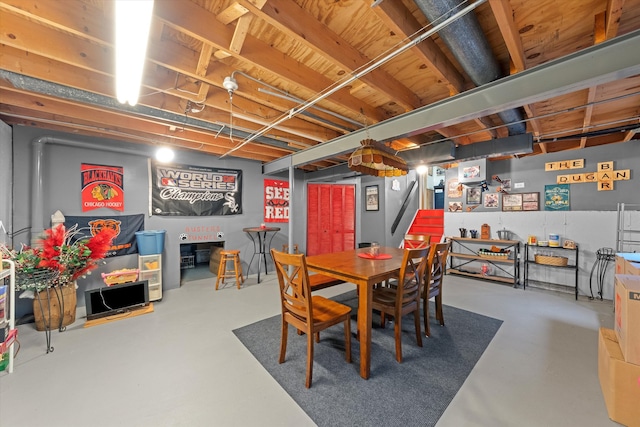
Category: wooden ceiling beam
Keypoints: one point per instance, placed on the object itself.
(64, 16)
(240, 34)
(605, 26)
(504, 17)
(232, 12)
(297, 23)
(400, 20)
(69, 111)
(249, 88)
(179, 140)
(588, 114)
(27, 35)
(200, 24)
(613, 13)
(529, 110)
(103, 83)
(91, 131)
(503, 14)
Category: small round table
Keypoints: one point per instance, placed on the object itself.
(258, 236)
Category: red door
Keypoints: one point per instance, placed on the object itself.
(330, 218)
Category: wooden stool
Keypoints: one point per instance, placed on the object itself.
(234, 256)
(285, 248)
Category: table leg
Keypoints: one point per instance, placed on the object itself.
(261, 251)
(264, 251)
(365, 297)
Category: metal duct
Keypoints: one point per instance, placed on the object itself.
(511, 145)
(430, 154)
(467, 43)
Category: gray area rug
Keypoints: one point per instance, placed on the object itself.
(414, 393)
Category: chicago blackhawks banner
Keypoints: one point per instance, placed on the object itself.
(195, 190)
(276, 201)
(102, 187)
(125, 227)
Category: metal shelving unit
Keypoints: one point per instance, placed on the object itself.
(150, 267)
(465, 251)
(627, 238)
(572, 263)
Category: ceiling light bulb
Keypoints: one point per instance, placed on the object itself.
(422, 169)
(164, 155)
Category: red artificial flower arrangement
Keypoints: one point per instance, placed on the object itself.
(64, 256)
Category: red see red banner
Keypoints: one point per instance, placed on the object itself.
(102, 187)
(276, 201)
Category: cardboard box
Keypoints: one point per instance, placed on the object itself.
(619, 380)
(627, 316)
(622, 258)
(632, 268)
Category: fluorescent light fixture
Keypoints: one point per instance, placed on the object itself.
(133, 22)
(164, 155)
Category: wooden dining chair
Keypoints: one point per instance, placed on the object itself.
(412, 241)
(433, 278)
(403, 295)
(304, 311)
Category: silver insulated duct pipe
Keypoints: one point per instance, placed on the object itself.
(467, 43)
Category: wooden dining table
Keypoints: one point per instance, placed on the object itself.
(364, 273)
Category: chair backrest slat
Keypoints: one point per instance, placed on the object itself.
(412, 241)
(293, 279)
(436, 266)
(414, 263)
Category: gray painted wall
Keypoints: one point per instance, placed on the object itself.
(62, 192)
(531, 172)
(591, 222)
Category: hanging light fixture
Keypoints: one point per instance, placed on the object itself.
(375, 159)
(133, 23)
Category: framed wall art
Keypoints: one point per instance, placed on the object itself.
(454, 189)
(530, 201)
(491, 200)
(472, 171)
(556, 197)
(512, 202)
(474, 195)
(371, 198)
(455, 206)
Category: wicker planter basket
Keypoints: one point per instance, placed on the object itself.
(559, 261)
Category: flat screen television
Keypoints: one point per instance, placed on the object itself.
(116, 299)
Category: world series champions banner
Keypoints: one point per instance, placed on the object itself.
(102, 187)
(125, 227)
(194, 190)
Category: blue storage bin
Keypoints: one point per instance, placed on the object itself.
(150, 242)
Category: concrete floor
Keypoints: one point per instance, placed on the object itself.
(182, 366)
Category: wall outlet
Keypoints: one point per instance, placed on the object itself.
(518, 185)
